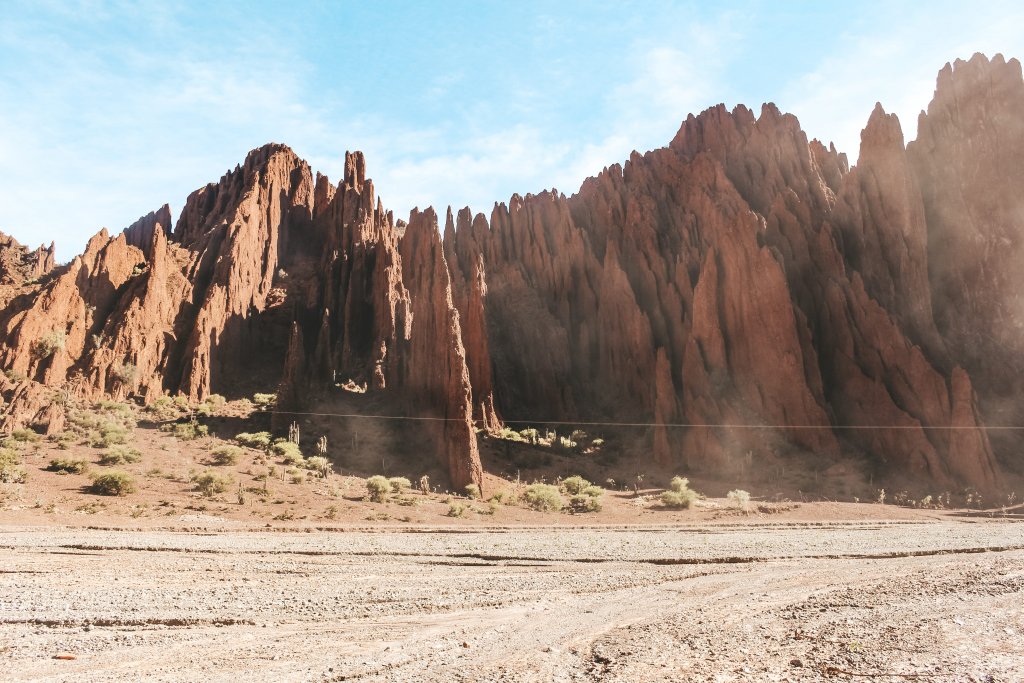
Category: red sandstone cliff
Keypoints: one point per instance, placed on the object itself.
(743, 280)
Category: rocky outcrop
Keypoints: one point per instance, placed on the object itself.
(880, 216)
(19, 265)
(469, 289)
(968, 161)
(434, 373)
(140, 233)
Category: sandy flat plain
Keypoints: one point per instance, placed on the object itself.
(939, 599)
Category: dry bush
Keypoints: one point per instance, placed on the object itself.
(543, 497)
(50, 343)
(574, 485)
(587, 497)
(67, 466)
(377, 488)
(680, 495)
(121, 455)
(225, 455)
(740, 497)
(11, 471)
(288, 452)
(210, 483)
(112, 484)
(320, 465)
(399, 484)
(186, 431)
(258, 440)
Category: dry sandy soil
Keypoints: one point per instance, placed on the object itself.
(938, 599)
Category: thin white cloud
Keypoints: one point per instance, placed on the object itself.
(895, 61)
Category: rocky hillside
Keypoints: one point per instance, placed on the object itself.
(742, 281)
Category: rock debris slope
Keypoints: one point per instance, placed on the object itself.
(742, 280)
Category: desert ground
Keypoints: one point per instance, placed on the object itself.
(748, 600)
(293, 573)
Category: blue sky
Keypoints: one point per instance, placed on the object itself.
(110, 109)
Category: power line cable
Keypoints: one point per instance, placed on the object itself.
(674, 425)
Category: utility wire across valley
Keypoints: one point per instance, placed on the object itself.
(682, 425)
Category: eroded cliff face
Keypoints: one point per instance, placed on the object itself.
(742, 289)
(381, 313)
(20, 265)
(744, 282)
(968, 161)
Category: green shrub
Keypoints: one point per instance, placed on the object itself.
(584, 503)
(67, 466)
(210, 483)
(740, 497)
(264, 401)
(15, 377)
(377, 488)
(215, 401)
(399, 484)
(226, 455)
(542, 497)
(164, 409)
(585, 496)
(50, 343)
(107, 434)
(211, 405)
(679, 495)
(289, 452)
(456, 510)
(112, 484)
(125, 373)
(187, 431)
(11, 471)
(257, 440)
(25, 436)
(121, 455)
(116, 410)
(319, 465)
(473, 491)
(530, 435)
(574, 485)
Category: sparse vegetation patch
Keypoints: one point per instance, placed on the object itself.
(226, 455)
(543, 497)
(112, 484)
(377, 488)
(257, 440)
(679, 495)
(67, 466)
(121, 455)
(11, 471)
(210, 483)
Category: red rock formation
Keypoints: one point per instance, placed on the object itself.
(435, 376)
(18, 265)
(968, 159)
(743, 281)
(469, 288)
(140, 233)
(396, 329)
(880, 217)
